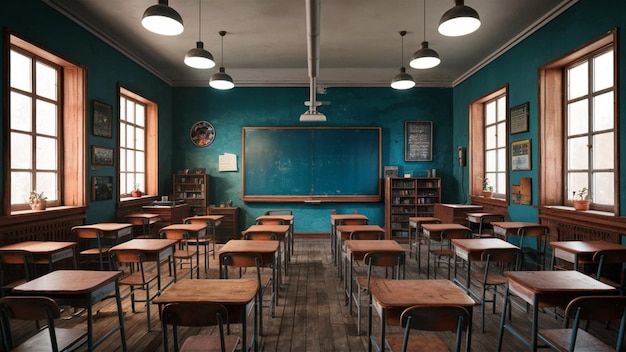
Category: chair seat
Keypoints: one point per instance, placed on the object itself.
(560, 338)
(136, 279)
(426, 343)
(185, 253)
(209, 343)
(66, 338)
(94, 251)
(492, 278)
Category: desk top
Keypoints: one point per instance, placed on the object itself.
(143, 216)
(106, 226)
(444, 227)
(392, 294)
(277, 229)
(203, 218)
(365, 246)
(196, 227)
(463, 206)
(38, 247)
(416, 220)
(514, 225)
(285, 217)
(250, 246)
(586, 247)
(68, 282)
(225, 291)
(145, 245)
(557, 282)
(480, 244)
(336, 217)
(353, 228)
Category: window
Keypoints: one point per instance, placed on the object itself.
(577, 119)
(46, 103)
(488, 143)
(138, 144)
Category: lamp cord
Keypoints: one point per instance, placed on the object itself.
(222, 34)
(424, 20)
(199, 20)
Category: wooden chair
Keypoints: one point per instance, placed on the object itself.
(49, 338)
(538, 248)
(183, 253)
(610, 268)
(376, 263)
(494, 263)
(90, 252)
(270, 221)
(207, 242)
(278, 212)
(15, 258)
(198, 315)
(268, 236)
(245, 261)
(443, 251)
(600, 308)
(135, 277)
(430, 318)
(485, 230)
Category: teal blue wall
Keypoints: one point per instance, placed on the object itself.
(582, 23)
(106, 68)
(231, 110)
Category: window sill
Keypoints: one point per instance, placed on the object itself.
(582, 212)
(22, 216)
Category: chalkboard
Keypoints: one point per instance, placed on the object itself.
(311, 164)
(418, 140)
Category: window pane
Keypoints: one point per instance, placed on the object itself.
(603, 71)
(603, 112)
(123, 185)
(140, 162)
(501, 109)
(140, 141)
(603, 151)
(46, 153)
(501, 160)
(490, 137)
(490, 113)
(123, 135)
(603, 188)
(47, 183)
(490, 161)
(577, 154)
(578, 117)
(130, 137)
(576, 181)
(21, 112)
(46, 119)
(21, 186)
(501, 183)
(130, 111)
(130, 161)
(122, 109)
(140, 116)
(21, 72)
(578, 81)
(21, 151)
(46, 81)
(123, 160)
(501, 135)
(130, 182)
(140, 181)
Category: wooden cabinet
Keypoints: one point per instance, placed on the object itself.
(407, 197)
(455, 213)
(194, 190)
(168, 215)
(229, 226)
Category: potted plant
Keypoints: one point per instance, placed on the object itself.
(487, 188)
(581, 199)
(37, 201)
(136, 192)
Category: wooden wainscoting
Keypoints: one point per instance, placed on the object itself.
(567, 224)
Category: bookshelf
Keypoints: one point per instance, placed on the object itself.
(193, 189)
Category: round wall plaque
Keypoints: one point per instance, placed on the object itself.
(202, 133)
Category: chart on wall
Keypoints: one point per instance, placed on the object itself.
(300, 164)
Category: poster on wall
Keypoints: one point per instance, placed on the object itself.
(520, 155)
(418, 141)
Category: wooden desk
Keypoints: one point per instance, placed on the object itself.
(112, 230)
(577, 252)
(169, 214)
(546, 289)
(470, 250)
(45, 252)
(195, 231)
(504, 229)
(335, 220)
(455, 213)
(357, 249)
(431, 231)
(344, 232)
(80, 288)
(482, 219)
(416, 223)
(145, 220)
(391, 297)
(155, 250)
(238, 295)
(287, 220)
(212, 222)
(281, 232)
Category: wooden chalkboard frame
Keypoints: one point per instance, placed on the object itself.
(418, 141)
(374, 197)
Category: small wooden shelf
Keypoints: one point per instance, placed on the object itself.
(194, 190)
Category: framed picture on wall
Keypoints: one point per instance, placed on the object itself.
(418, 140)
(101, 188)
(520, 155)
(518, 118)
(102, 119)
(101, 155)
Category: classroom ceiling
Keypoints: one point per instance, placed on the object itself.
(266, 41)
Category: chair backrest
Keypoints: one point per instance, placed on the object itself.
(600, 308)
(278, 212)
(28, 308)
(84, 233)
(367, 235)
(435, 318)
(506, 259)
(270, 221)
(394, 260)
(174, 235)
(448, 235)
(22, 258)
(539, 232)
(240, 260)
(353, 222)
(196, 314)
(131, 257)
(602, 258)
(260, 236)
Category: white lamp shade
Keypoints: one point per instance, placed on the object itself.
(459, 20)
(162, 19)
(424, 58)
(221, 80)
(199, 58)
(402, 80)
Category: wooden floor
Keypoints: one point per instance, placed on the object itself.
(311, 315)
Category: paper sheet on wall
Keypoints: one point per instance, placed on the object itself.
(227, 162)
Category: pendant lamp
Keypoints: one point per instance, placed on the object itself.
(459, 20)
(221, 80)
(162, 19)
(425, 57)
(198, 57)
(402, 80)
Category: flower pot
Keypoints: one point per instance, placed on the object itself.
(487, 194)
(40, 204)
(581, 204)
(136, 193)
